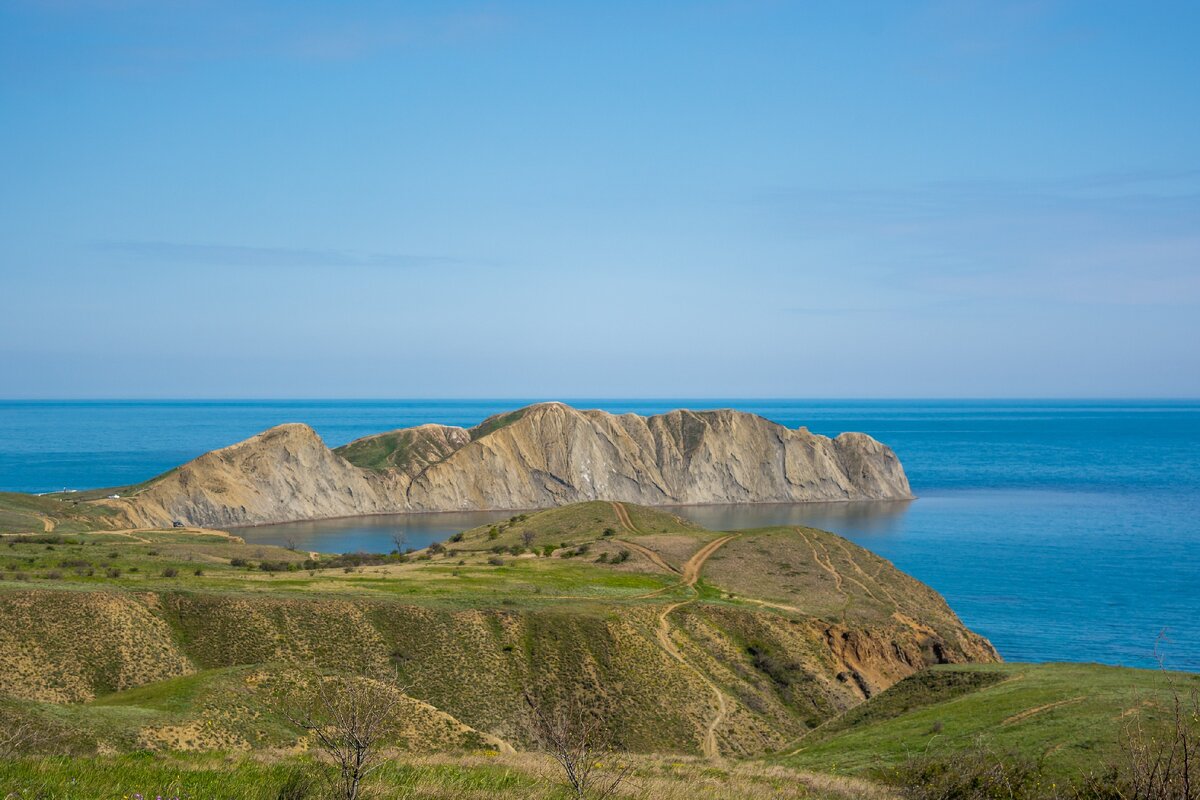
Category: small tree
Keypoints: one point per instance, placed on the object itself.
(527, 538)
(399, 540)
(349, 719)
(576, 740)
(290, 544)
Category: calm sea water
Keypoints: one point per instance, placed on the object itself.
(1060, 530)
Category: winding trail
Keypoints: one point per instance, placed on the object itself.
(691, 575)
(626, 523)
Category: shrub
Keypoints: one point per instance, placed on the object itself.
(516, 550)
(198, 573)
(54, 575)
(237, 562)
(547, 550)
(458, 537)
(620, 557)
(1155, 762)
(170, 572)
(609, 532)
(38, 539)
(496, 561)
(112, 572)
(493, 533)
(437, 547)
(603, 559)
(975, 773)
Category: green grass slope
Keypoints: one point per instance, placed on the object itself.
(1068, 716)
(27, 513)
(408, 450)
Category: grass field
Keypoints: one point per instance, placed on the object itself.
(479, 775)
(1069, 717)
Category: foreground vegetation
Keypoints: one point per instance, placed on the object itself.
(153, 662)
(461, 776)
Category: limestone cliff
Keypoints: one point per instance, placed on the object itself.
(544, 455)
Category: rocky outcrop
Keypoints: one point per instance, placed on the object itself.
(545, 455)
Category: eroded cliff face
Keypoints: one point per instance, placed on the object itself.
(546, 455)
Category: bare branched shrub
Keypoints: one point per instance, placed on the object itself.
(349, 719)
(19, 736)
(399, 541)
(578, 740)
(1156, 762)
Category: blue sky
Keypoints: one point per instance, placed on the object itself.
(893, 199)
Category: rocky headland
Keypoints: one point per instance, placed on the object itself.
(545, 455)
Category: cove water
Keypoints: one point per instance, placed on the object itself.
(1061, 530)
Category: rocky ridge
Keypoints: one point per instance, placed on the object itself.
(545, 455)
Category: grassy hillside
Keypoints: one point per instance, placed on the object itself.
(725, 646)
(601, 600)
(27, 513)
(409, 450)
(1069, 717)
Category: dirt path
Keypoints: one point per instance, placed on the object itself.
(826, 565)
(626, 523)
(1029, 712)
(48, 524)
(654, 557)
(691, 570)
(691, 575)
(129, 533)
(623, 517)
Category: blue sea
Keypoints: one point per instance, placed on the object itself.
(1061, 530)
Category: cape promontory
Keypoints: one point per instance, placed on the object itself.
(545, 455)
